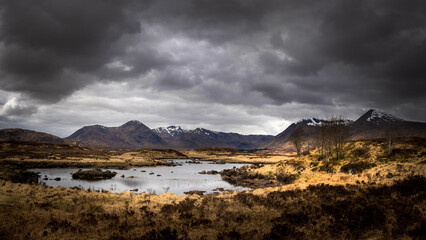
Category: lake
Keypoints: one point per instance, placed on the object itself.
(175, 179)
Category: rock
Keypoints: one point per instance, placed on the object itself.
(195, 192)
(57, 179)
(193, 161)
(95, 174)
(211, 172)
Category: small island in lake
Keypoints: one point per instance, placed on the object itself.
(93, 174)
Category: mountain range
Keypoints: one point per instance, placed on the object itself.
(136, 135)
(371, 125)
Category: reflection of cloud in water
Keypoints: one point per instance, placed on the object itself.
(131, 182)
(184, 178)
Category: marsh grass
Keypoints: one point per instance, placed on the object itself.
(386, 201)
(329, 212)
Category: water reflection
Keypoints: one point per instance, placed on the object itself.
(178, 179)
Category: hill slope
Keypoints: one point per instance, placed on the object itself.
(17, 134)
(131, 135)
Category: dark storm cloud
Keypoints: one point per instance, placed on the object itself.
(332, 53)
(45, 39)
(381, 43)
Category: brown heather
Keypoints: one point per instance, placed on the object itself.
(367, 194)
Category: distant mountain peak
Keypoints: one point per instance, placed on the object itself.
(311, 121)
(133, 123)
(376, 116)
(317, 122)
(171, 130)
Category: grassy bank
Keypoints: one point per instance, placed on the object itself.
(363, 162)
(24, 155)
(235, 156)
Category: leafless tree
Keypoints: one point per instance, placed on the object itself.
(331, 137)
(297, 139)
(391, 133)
(339, 133)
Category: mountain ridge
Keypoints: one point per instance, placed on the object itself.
(136, 135)
(372, 124)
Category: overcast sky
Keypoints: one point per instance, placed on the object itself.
(241, 66)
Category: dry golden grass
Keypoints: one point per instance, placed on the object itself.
(37, 212)
(49, 155)
(241, 157)
(371, 204)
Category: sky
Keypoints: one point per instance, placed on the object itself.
(251, 67)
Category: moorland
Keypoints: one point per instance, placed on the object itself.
(371, 192)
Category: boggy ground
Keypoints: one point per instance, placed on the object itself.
(231, 155)
(369, 194)
(363, 162)
(319, 211)
(38, 155)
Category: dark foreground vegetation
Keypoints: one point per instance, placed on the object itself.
(16, 175)
(321, 211)
(243, 177)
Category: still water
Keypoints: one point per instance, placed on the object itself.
(177, 179)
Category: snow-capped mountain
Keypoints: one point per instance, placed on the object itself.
(308, 127)
(136, 135)
(377, 117)
(177, 137)
(311, 121)
(315, 122)
(170, 130)
(372, 124)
